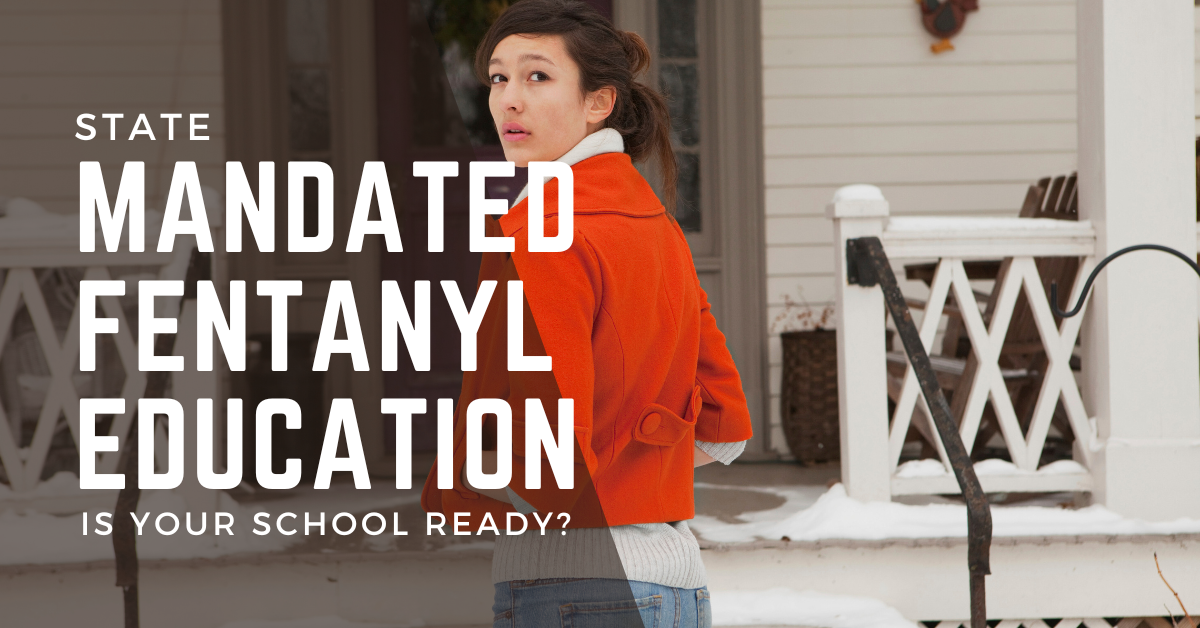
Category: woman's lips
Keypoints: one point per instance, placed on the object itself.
(513, 132)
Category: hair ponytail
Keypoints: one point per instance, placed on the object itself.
(607, 57)
(637, 53)
(645, 124)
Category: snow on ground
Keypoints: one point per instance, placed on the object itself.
(837, 516)
(28, 537)
(782, 606)
(774, 607)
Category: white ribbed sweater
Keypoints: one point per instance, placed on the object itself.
(662, 553)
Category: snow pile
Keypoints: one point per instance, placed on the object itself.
(785, 607)
(24, 214)
(315, 622)
(23, 220)
(898, 224)
(1004, 467)
(837, 516)
(929, 467)
(28, 537)
(857, 192)
(924, 468)
(61, 484)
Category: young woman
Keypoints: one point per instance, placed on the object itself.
(627, 326)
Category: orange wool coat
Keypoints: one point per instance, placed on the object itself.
(632, 341)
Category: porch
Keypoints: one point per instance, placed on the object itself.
(779, 543)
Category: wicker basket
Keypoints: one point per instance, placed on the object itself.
(809, 395)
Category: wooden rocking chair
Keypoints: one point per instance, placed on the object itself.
(1022, 357)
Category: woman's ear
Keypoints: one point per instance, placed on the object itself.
(599, 104)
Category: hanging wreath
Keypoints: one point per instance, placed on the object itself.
(944, 18)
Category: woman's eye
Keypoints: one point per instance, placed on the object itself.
(496, 78)
(543, 76)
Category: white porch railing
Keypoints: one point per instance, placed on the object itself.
(871, 443)
(32, 240)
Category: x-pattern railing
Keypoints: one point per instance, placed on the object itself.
(51, 242)
(1058, 341)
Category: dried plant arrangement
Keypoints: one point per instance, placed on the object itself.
(801, 316)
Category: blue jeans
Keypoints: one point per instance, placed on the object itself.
(598, 603)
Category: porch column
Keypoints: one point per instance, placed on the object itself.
(859, 211)
(1136, 116)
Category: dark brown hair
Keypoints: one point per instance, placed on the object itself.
(607, 57)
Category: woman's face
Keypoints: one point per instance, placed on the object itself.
(536, 99)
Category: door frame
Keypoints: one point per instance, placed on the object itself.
(733, 255)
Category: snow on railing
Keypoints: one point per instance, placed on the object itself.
(872, 447)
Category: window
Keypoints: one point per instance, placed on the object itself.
(678, 76)
(309, 127)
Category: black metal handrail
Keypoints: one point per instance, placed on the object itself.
(1104, 262)
(124, 536)
(867, 265)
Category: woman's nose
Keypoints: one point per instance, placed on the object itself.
(511, 98)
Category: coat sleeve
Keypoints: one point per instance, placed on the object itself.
(725, 415)
(563, 293)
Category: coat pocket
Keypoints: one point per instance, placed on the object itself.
(659, 425)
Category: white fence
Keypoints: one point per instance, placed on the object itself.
(40, 265)
(871, 441)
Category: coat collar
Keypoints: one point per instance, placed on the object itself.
(605, 182)
(605, 140)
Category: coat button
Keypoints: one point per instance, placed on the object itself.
(651, 423)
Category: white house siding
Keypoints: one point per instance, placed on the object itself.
(61, 58)
(853, 94)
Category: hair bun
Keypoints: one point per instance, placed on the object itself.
(636, 51)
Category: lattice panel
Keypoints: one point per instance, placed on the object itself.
(1025, 447)
(1094, 622)
(23, 465)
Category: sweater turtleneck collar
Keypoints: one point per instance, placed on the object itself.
(606, 140)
